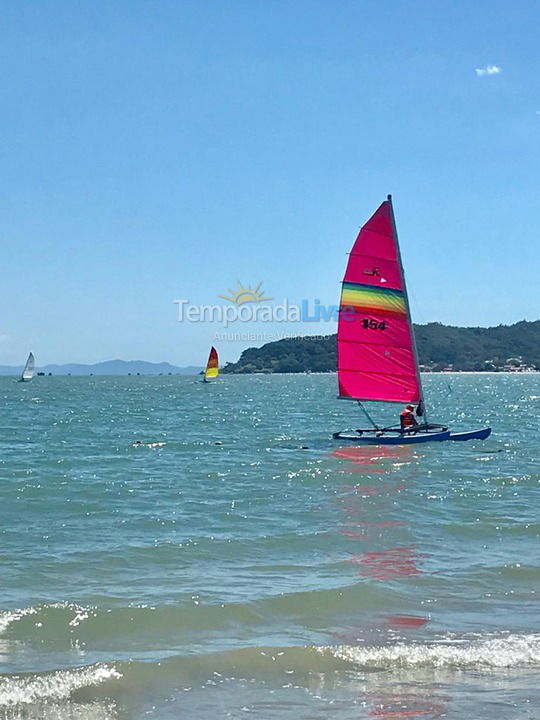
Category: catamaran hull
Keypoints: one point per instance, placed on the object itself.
(393, 439)
(421, 437)
(471, 434)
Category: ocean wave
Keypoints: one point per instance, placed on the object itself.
(62, 710)
(43, 618)
(55, 686)
(7, 617)
(99, 692)
(60, 625)
(301, 662)
(511, 651)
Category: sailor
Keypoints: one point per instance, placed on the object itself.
(407, 419)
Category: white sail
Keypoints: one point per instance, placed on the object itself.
(28, 371)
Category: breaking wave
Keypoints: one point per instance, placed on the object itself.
(512, 651)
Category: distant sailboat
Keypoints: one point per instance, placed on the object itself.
(212, 366)
(377, 357)
(28, 372)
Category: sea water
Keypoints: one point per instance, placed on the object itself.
(240, 563)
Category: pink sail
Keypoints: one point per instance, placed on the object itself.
(376, 353)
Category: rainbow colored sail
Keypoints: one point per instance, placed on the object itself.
(376, 352)
(212, 366)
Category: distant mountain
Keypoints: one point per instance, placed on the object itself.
(440, 347)
(109, 367)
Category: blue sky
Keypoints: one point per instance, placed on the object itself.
(161, 150)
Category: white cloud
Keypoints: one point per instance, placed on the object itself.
(488, 70)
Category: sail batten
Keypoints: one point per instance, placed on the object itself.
(376, 353)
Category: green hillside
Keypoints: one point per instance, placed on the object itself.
(439, 346)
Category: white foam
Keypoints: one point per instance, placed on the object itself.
(63, 710)
(10, 616)
(80, 613)
(503, 652)
(59, 685)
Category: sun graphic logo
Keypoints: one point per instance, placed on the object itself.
(247, 294)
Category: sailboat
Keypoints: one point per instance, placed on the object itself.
(28, 372)
(212, 366)
(377, 356)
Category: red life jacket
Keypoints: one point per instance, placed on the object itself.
(407, 418)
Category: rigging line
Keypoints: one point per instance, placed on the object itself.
(368, 416)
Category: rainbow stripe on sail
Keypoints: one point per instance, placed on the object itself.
(373, 299)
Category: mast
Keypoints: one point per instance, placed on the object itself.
(409, 319)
